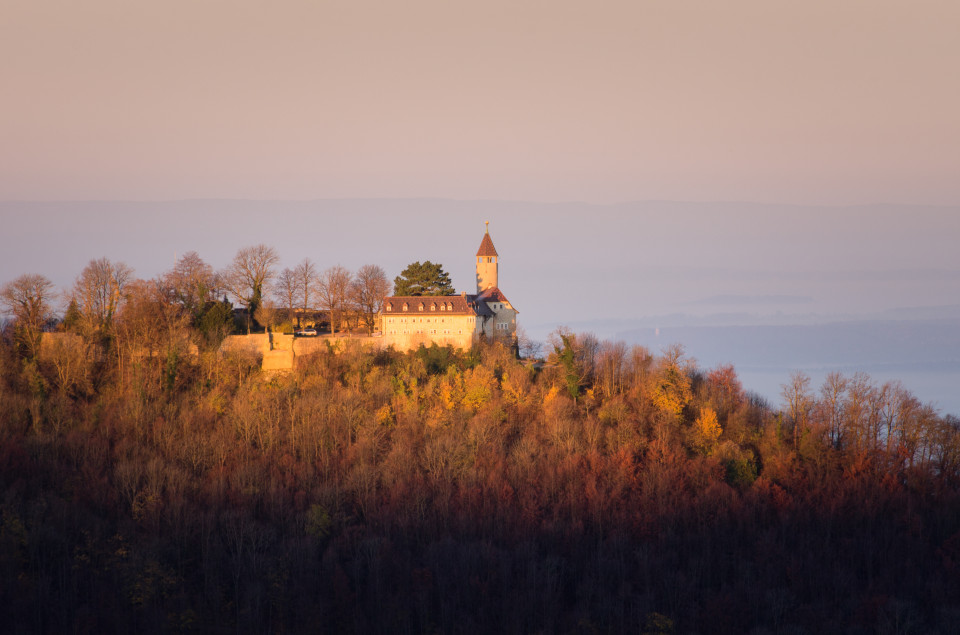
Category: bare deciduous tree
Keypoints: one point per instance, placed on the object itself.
(367, 292)
(286, 293)
(798, 401)
(248, 274)
(149, 322)
(333, 287)
(268, 316)
(99, 293)
(69, 357)
(830, 407)
(192, 283)
(29, 299)
(611, 361)
(860, 392)
(529, 347)
(306, 276)
(195, 290)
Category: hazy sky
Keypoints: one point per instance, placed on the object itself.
(559, 263)
(824, 101)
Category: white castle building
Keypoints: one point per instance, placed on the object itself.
(457, 320)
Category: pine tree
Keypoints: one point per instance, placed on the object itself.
(423, 279)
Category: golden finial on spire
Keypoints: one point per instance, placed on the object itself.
(488, 226)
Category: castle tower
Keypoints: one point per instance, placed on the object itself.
(486, 263)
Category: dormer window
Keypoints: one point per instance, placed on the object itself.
(405, 306)
(390, 307)
(421, 306)
(433, 307)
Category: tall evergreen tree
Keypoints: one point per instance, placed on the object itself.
(423, 279)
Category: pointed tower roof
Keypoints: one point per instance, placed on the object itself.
(486, 245)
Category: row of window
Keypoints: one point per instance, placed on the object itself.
(413, 320)
(500, 327)
(431, 332)
(446, 306)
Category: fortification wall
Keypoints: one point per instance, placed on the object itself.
(254, 343)
(281, 351)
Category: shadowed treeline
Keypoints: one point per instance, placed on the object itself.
(437, 491)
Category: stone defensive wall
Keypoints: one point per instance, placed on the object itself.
(280, 351)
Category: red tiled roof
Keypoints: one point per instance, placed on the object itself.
(486, 247)
(494, 294)
(452, 305)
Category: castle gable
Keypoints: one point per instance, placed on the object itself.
(494, 295)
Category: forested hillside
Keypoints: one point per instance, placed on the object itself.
(144, 488)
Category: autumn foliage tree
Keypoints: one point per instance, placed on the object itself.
(609, 489)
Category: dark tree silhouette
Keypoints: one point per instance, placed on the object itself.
(423, 279)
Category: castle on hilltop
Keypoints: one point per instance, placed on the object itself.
(456, 320)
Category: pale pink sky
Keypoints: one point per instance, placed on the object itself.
(823, 101)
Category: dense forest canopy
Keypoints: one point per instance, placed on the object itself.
(150, 485)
